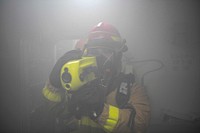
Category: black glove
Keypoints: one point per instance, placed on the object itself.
(87, 101)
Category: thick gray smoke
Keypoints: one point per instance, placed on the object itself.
(162, 35)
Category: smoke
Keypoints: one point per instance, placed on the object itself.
(34, 34)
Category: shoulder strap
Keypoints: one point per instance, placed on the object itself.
(124, 89)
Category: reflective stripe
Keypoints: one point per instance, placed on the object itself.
(52, 96)
(86, 121)
(112, 120)
(116, 38)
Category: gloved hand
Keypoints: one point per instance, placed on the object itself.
(87, 101)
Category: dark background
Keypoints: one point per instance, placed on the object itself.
(33, 34)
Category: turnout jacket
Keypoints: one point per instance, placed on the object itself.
(113, 119)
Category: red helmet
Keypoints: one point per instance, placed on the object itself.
(107, 36)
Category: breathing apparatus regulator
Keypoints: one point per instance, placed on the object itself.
(101, 58)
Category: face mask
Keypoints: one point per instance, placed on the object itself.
(104, 57)
(104, 64)
(108, 62)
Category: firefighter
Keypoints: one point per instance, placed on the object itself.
(110, 102)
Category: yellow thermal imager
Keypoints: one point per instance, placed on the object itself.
(76, 73)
